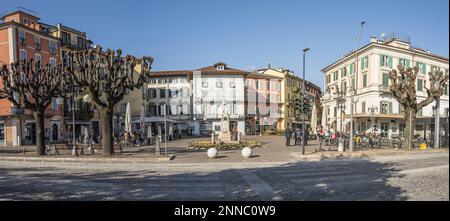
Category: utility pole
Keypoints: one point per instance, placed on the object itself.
(436, 124)
(354, 88)
(302, 111)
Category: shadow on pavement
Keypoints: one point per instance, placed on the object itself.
(321, 180)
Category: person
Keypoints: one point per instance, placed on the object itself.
(306, 137)
(297, 136)
(287, 135)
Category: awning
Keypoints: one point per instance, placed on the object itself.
(78, 122)
(154, 120)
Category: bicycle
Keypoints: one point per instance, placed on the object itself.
(51, 150)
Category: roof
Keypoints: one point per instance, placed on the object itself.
(213, 69)
(20, 11)
(28, 28)
(67, 28)
(259, 75)
(170, 73)
(372, 44)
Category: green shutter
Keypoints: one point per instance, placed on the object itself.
(385, 80)
(389, 62)
(408, 63)
(381, 60)
(390, 107)
(424, 68)
(419, 85)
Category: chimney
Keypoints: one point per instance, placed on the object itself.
(373, 39)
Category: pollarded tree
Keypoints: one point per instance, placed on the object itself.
(403, 88)
(30, 85)
(105, 77)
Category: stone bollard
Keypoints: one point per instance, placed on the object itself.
(246, 152)
(212, 138)
(212, 152)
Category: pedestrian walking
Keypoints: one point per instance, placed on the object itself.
(287, 135)
(297, 136)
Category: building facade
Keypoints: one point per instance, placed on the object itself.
(291, 86)
(374, 106)
(263, 103)
(22, 36)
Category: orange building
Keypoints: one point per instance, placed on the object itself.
(22, 36)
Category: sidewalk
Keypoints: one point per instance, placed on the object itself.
(274, 150)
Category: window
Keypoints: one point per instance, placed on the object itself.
(364, 63)
(23, 54)
(162, 93)
(151, 109)
(151, 92)
(351, 68)
(446, 89)
(385, 80)
(37, 57)
(328, 79)
(343, 72)
(405, 62)
(204, 84)
(365, 80)
(123, 108)
(37, 42)
(52, 62)
(220, 67)
(422, 67)
(152, 81)
(22, 37)
(52, 46)
(219, 84)
(335, 112)
(419, 84)
(435, 68)
(420, 113)
(65, 38)
(81, 42)
(384, 107)
(385, 61)
(401, 108)
(335, 76)
(54, 104)
(363, 107)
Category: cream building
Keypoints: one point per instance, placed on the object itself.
(375, 60)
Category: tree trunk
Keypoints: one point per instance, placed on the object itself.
(40, 132)
(106, 117)
(410, 122)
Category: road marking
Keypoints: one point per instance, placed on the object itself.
(259, 186)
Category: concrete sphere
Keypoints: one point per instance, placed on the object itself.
(212, 152)
(246, 152)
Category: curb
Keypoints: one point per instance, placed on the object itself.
(344, 155)
(87, 160)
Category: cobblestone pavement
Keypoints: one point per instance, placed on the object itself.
(414, 177)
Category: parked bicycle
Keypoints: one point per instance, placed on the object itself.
(51, 150)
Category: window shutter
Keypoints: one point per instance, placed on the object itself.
(408, 64)
(381, 60)
(390, 107)
(390, 62)
(424, 68)
(381, 107)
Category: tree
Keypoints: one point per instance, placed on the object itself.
(403, 88)
(30, 85)
(105, 77)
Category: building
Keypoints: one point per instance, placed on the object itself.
(291, 86)
(263, 103)
(375, 106)
(23, 36)
(171, 90)
(218, 90)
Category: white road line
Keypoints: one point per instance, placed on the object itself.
(259, 186)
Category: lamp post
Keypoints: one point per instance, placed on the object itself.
(353, 90)
(303, 92)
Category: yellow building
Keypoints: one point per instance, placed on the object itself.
(291, 85)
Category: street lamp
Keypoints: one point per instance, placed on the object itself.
(353, 90)
(303, 92)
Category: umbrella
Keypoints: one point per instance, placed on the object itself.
(128, 118)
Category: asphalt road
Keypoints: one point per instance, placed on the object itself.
(412, 177)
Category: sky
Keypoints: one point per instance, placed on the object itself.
(246, 34)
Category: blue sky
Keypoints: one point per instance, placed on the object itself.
(246, 34)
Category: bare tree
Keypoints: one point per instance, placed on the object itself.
(30, 85)
(105, 77)
(403, 88)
